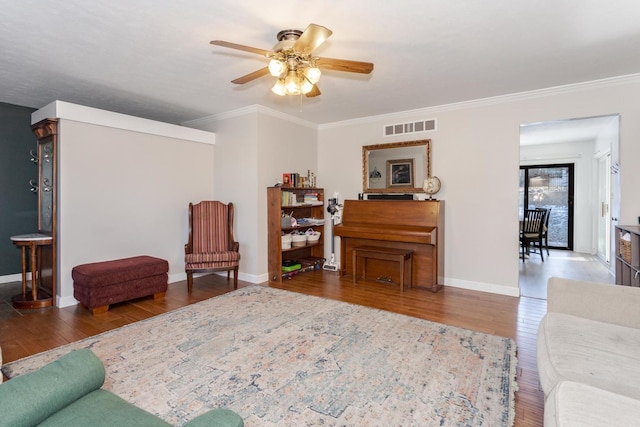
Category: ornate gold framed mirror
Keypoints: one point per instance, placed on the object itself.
(381, 160)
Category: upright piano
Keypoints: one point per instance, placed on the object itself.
(416, 225)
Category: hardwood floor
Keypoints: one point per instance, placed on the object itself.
(534, 273)
(27, 332)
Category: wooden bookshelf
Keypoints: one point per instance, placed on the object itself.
(275, 208)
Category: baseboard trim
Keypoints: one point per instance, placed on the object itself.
(65, 302)
(251, 278)
(483, 287)
(13, 278)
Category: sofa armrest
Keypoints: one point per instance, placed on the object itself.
(602, 302)
(31, 398)
(218, 418)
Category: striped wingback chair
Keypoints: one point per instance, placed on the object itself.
(211, 246)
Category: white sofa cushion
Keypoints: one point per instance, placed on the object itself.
(596, 301)
(600, 354)
(574, 404)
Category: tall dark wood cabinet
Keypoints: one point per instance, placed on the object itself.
(310, 255)
(46, 132)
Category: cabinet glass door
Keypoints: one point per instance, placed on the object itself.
(45, 193)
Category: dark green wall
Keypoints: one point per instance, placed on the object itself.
(18, 205)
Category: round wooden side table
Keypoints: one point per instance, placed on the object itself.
(36, 297)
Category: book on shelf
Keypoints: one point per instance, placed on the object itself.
(291, 179)
(310, 198)
(290, 268)
(289, 198)
(295, 180)
(286, 180)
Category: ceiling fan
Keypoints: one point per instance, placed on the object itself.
(293, 64)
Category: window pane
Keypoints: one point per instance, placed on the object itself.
(549, 189)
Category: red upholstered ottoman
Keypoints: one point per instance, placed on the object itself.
(99, 284)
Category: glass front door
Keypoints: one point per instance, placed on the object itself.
(550, 187)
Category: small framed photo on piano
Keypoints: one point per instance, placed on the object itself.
(400, 173)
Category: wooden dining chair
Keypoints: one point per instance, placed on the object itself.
(211, 246)
(531, 232)
(545, 229)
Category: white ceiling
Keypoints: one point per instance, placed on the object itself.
(587, 129)
(152, 58)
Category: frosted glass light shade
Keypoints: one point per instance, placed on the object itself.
(306, 86)
(313, 74)
(276, 68)
(278, 88)
(292, 83)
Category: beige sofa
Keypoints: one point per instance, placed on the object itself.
(588, 352)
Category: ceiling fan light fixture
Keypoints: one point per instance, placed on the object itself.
(276, 68)
(278, 88)
(306, 86)
(292, 63)
(313, 74)
(292, 83)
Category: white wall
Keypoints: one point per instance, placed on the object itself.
(475, 153)
(254, 147)
(608, 143)
(124, 193)
(235, 176)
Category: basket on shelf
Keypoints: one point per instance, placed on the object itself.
(625, 250)
(312, 236)
(287, 221)
(298, 240)
(286, 241)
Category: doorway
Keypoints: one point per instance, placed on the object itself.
(591, 144)
(550, 187)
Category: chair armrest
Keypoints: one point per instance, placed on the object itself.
(596, 301)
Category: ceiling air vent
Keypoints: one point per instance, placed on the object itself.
(412, 127)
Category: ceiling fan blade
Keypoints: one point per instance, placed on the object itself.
(345, 65)
(313, 92)
(241, 47)
(251, 76)
(312, 37)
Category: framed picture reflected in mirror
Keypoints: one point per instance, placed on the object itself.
(400, 173)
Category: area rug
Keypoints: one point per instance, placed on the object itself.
(282, 358)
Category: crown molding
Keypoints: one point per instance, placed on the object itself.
(252, 109)
(495, 100)
(95, 116)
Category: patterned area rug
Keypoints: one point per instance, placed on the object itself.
(283, 358)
